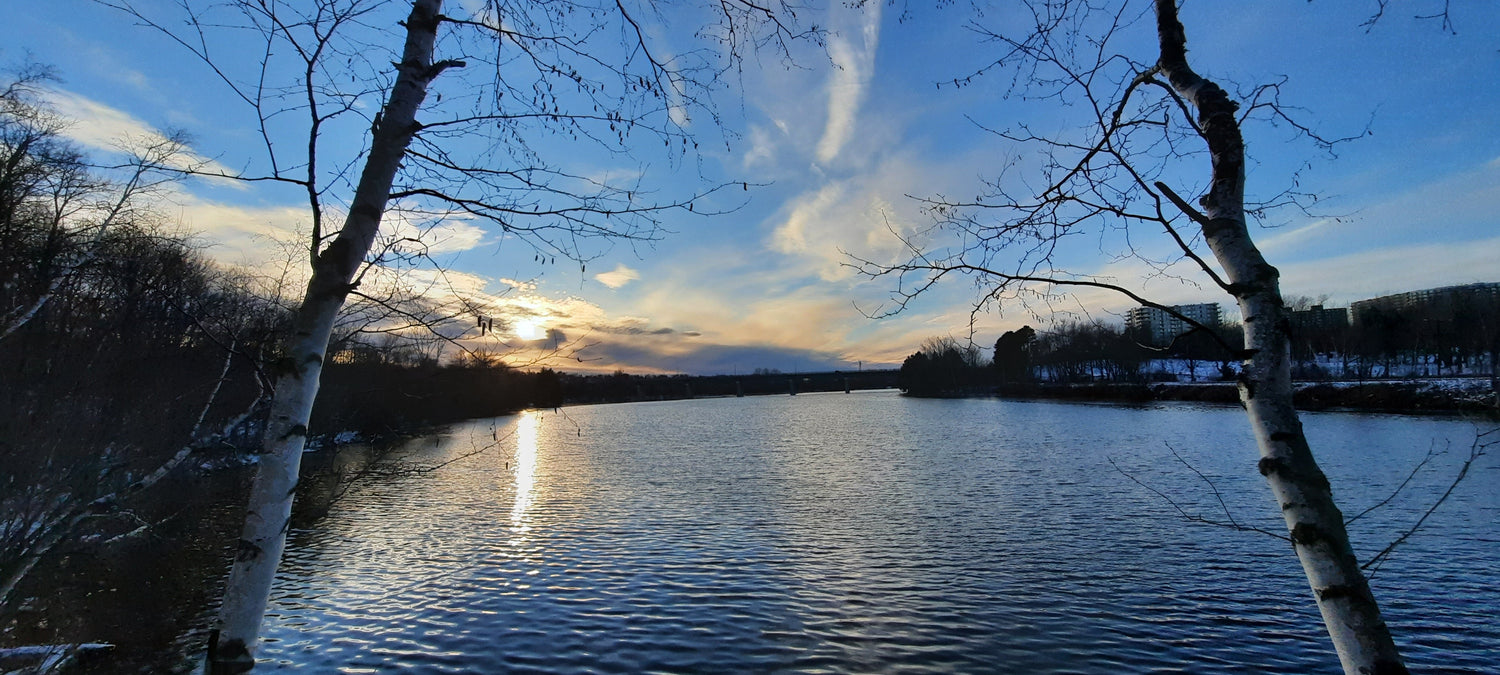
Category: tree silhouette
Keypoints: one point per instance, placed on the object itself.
(1013, 355)
(942, 367)
(1143, 119)
(586, 72)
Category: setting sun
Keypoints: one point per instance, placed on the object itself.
(529, 329)
(981, 336)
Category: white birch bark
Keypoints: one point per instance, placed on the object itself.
(248, 589)
(1349, 610)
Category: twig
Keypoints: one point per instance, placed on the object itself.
(1477, 450)
(1430, 454)
(1210, 483)
(1194, 518)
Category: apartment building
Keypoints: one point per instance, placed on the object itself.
(1160, 327)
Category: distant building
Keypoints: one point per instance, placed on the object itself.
(1444, 300)
(1160, 327)
(1316, 319)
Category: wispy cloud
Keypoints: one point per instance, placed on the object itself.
(452, 234)
(242, 234)
(858, 214)
(762, 147)
(853, 54)
(617, 277)
(1459, 205)
(1393, 269)
(101, 127)
(581, 336)
(709, 358)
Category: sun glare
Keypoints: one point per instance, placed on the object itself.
(529, 329)
(526, 447)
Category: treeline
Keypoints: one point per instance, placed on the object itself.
(385, 396)
(122, 347)
(118, 341)
(944, 367)
(1454, 334)
(1069, 353)
(620, 387)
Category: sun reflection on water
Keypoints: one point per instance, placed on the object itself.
(526, 434)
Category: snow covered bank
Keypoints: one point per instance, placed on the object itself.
(1402, 396)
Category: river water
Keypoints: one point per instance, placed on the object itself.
(866, 532)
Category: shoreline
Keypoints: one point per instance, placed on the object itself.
(1412, 397)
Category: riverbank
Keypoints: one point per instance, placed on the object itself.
(798, 533)
(1449, 395)
(155, 610)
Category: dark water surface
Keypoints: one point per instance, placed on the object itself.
(866, 533)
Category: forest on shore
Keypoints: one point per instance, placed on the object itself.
(130, 355)
(1404, 360)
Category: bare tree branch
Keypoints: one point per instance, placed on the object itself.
(1193, 517)
(1482, 443)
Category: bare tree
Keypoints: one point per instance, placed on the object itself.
(605, 73)
(938, 346)
(55, 209)
(1144, 120)
(92, 290)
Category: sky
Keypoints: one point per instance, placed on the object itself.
(827, 151)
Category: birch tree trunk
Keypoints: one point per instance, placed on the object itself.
(247, 592)
(1349, 610)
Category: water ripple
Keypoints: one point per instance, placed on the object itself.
(866, 533)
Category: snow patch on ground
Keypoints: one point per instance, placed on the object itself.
(228, 460)
(317, 443)
(1460, 385)
(1184, 370)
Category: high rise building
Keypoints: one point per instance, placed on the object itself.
(1159, 327)
(1318, 319)
(1444, 299)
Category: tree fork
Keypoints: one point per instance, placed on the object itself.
(1350, 613)
(248, 590)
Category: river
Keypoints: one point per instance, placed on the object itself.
(867, 532)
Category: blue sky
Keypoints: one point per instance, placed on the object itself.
(832, 147)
